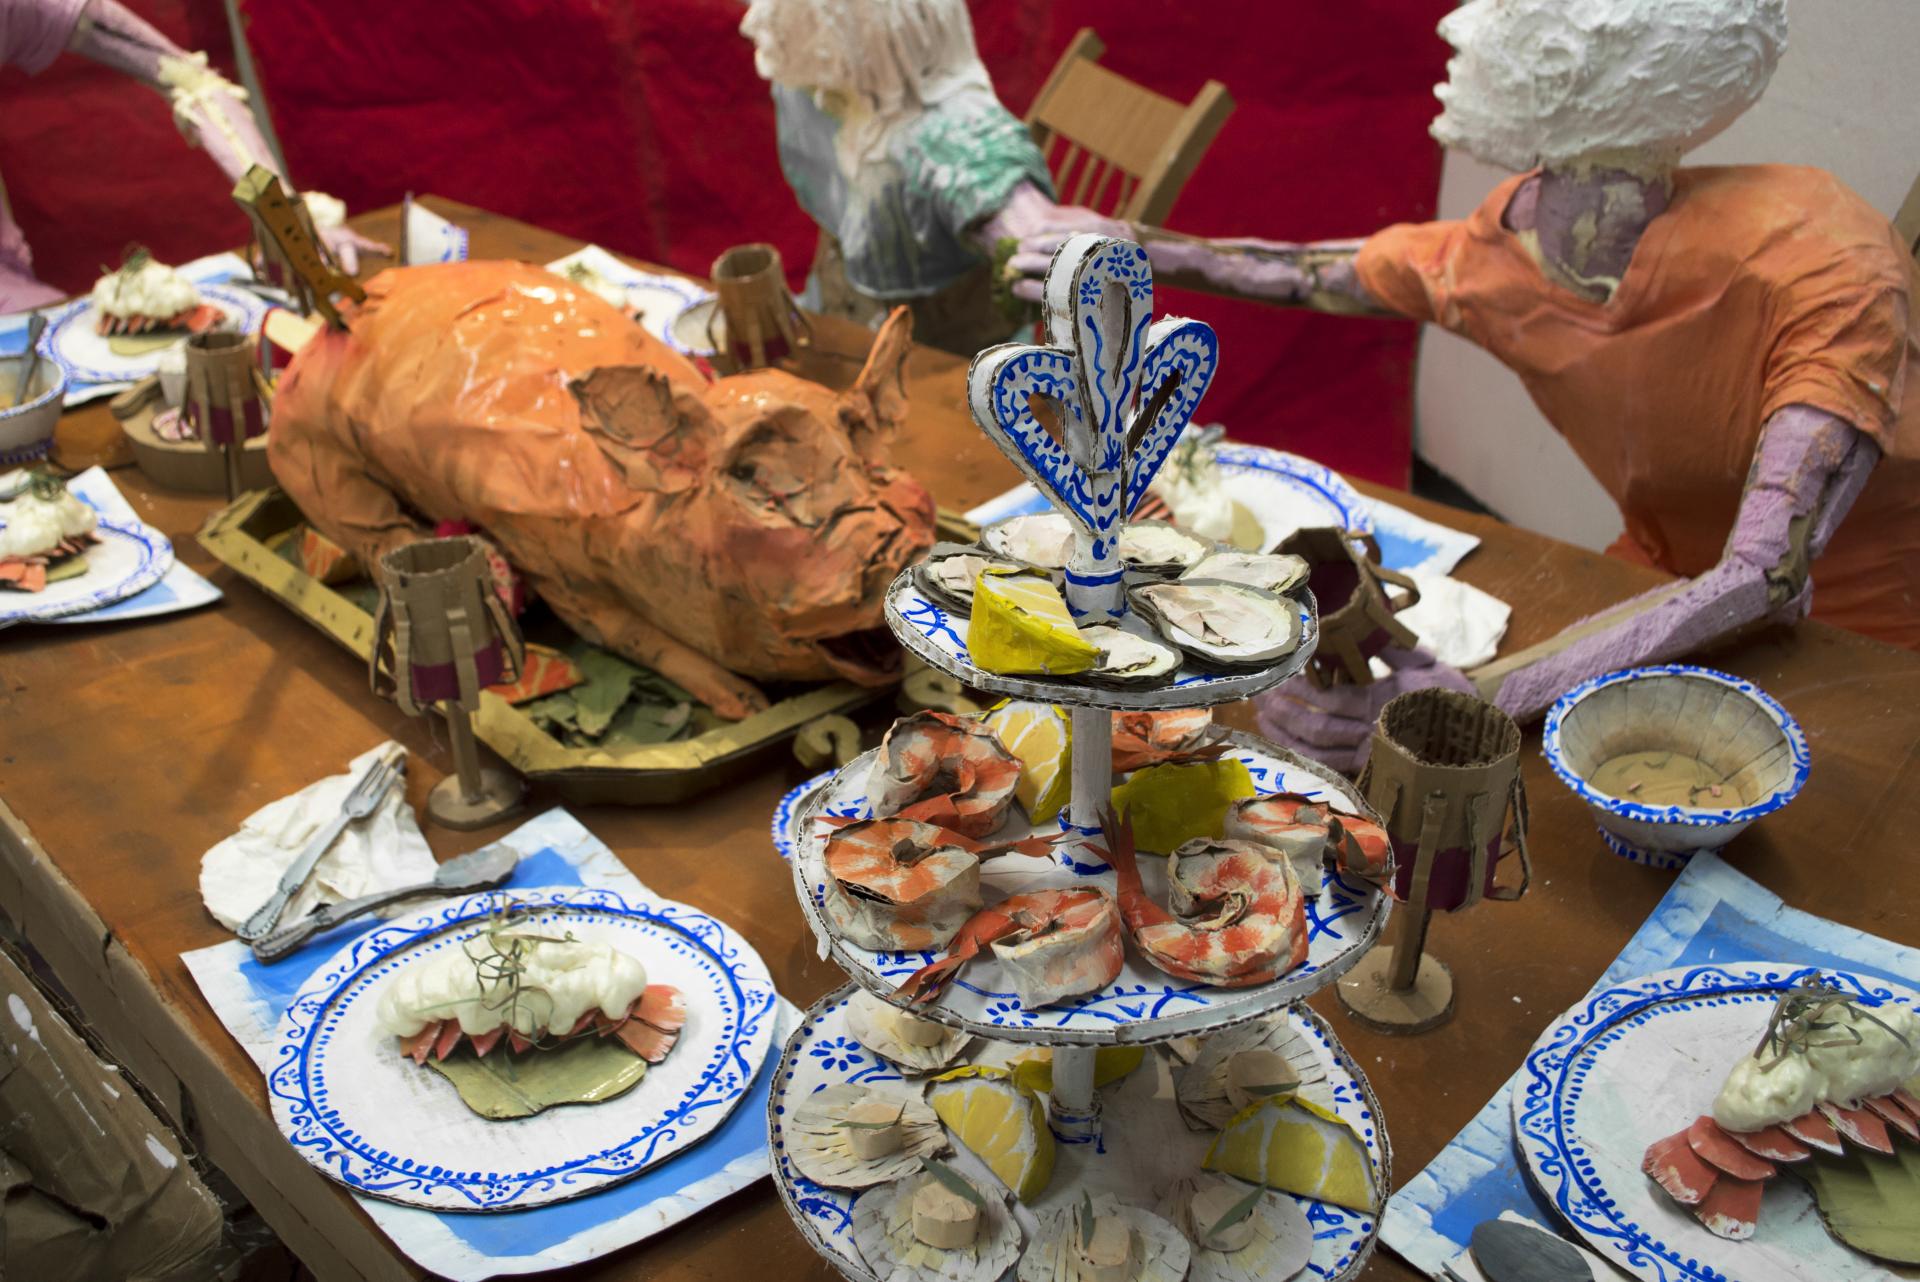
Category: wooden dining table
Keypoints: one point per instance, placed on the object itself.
(127, 749)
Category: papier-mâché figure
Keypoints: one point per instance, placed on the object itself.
(717, 532)
(209, 110)
(1725, 348)
(893, 141)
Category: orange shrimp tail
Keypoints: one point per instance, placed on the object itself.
(927, 983)
(1119, 852)
(981, 929)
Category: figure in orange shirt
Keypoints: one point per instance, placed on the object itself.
(1726, 349)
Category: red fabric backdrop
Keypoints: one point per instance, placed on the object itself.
(640, 124)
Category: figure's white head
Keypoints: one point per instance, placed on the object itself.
(880, 54)
(1546, 82)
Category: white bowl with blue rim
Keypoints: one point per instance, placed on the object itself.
(1752, 757)
(26, 429)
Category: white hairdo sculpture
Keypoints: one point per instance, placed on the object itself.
(1549, 82)
(887, 60)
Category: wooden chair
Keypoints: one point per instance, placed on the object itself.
(1102, 134)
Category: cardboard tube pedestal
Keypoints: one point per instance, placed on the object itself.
(474, 795)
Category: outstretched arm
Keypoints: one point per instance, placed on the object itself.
(209, 109)
(1807, 470)
(1319, 275)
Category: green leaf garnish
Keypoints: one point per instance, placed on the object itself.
(1238, 1211)
(954, 1181)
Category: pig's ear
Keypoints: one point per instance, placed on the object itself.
(875, 406)
(654, 432)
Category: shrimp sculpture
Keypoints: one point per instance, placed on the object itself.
(945, 770)
(1052, 944)
(1149, 738)
(1308, 832)
(905, 885)
(1237, 916)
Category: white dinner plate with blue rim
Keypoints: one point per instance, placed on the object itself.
(1144, 1145)
(129, 558)
(1283, 491)
(74, 342)
(1638, 1062)
(1143, 1004)
(788, 810)
(371, 1119)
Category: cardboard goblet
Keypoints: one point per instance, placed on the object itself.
(1356, 611)
(225, 400)
(761, 323)
(1444, 773)
(441, 636)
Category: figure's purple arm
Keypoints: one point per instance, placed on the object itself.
(1808, 469)
(207, 109)
(1320, 275)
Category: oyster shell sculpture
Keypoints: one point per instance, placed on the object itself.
(854, 1137)
(951, 571)
(1222, 625)
(1270, 1242)
(1211, 1089)
(1122, 1243)
(890, 1235)
(1127, 658)
(1278, 573)
(1161, 549)
(909, 1043)
(1043, 539)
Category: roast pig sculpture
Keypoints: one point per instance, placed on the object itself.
(714, 531)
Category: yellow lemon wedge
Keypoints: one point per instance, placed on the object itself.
(1170, 805)
(1020, 626)
(1295, 1146)
(1034, 1069)
(1001, 1123)
(1041, 735)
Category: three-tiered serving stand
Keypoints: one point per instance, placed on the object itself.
(1121, 387)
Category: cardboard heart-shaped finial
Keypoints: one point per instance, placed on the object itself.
(1090, 417)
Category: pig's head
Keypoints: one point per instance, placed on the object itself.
(784, 522)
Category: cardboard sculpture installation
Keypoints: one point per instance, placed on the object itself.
(719, 533)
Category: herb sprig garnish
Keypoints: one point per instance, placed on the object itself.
(1801, 1023)
(500, 955)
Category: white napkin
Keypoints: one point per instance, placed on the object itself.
(384, 851)
(1458, 622)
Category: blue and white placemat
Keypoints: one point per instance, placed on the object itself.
(1712, 914)
(179, 589)
(215, 269)
(555, 850)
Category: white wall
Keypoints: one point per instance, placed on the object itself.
(1843, 98)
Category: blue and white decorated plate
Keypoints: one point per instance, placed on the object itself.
(1144, 1144)
(77, 346)
(788, 810)
(1143, 1004)
(128, 559)
(1283, 492)
(938, 637)
(1639, 1062)
(371, 1119)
